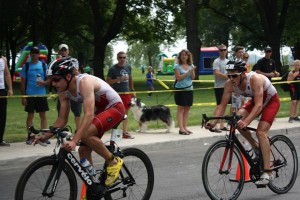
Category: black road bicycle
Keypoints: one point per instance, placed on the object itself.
(53, 177)
(223, 167)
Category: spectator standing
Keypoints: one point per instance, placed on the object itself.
(184, 74)
(149, 82)
(238, 52)
(220, 76)
(76, 107)
(237, 100)
(33, 82)
(4, 78)
(266, 65)
(294, 91)
(119, 77)
(246, 58)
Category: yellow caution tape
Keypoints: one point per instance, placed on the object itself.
(163, 84)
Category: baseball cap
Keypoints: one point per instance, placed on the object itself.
(35, 49)
(268, 48)
(63, 46)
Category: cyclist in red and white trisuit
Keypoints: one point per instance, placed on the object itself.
(264, 101)
(96, 95)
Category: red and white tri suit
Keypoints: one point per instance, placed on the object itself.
(109, 111)
(271, 101)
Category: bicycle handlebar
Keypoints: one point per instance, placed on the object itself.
(63, 133)
(232, 119)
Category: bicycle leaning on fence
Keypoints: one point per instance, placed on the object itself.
(53, 177)
(225, 163)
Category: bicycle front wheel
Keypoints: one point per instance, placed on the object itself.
(222, 172)
(32, 183)
(284, 163)
(136, 177)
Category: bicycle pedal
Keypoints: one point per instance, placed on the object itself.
(261, 186)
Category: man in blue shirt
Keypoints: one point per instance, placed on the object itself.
(33, 82)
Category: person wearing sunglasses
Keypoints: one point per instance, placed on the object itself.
(264, 101)
(103, 111)
(119, 77)
(220, 76)
(266, 65)
(33, 82)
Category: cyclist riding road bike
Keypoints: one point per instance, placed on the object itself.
(264, 101)
(95, 94)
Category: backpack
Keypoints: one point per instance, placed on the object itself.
(27, 67)
(285, 86)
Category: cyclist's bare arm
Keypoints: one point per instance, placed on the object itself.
(61, 120)
(220, 109)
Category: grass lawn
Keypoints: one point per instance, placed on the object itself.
(203, 97)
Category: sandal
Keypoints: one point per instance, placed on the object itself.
(183, 133)
(215, 130)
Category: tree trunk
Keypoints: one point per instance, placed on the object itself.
(273, 24)
(99, 53)
(103, 37)
(193, 42)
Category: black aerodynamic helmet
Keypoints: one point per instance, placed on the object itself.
(62, 66)
(236, 65)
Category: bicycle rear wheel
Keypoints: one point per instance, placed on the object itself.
(225, 183)
(284, 162)
(33, 180)
(136, 177)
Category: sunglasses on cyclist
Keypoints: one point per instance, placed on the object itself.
(55, 79)
(233, 76)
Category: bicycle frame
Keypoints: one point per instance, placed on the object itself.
(232, 140)
(63, 155)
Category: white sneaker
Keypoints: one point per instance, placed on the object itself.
(264, 179)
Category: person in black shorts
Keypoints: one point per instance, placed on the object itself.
(294, 75)
(32, 85)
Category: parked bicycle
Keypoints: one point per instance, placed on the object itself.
(53, 177)
(223, 167)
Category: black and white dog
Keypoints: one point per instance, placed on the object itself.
(143, 114)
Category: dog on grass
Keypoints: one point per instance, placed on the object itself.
(144, 114)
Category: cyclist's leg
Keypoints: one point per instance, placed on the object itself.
(103, 122)
(247, 134)
(85, 152)
(262, 134)
(268, 115)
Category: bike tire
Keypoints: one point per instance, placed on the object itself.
(141, 169)
(282, 149)
(228, 184)
(32, 181)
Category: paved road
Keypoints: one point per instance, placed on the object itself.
(177, 175)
